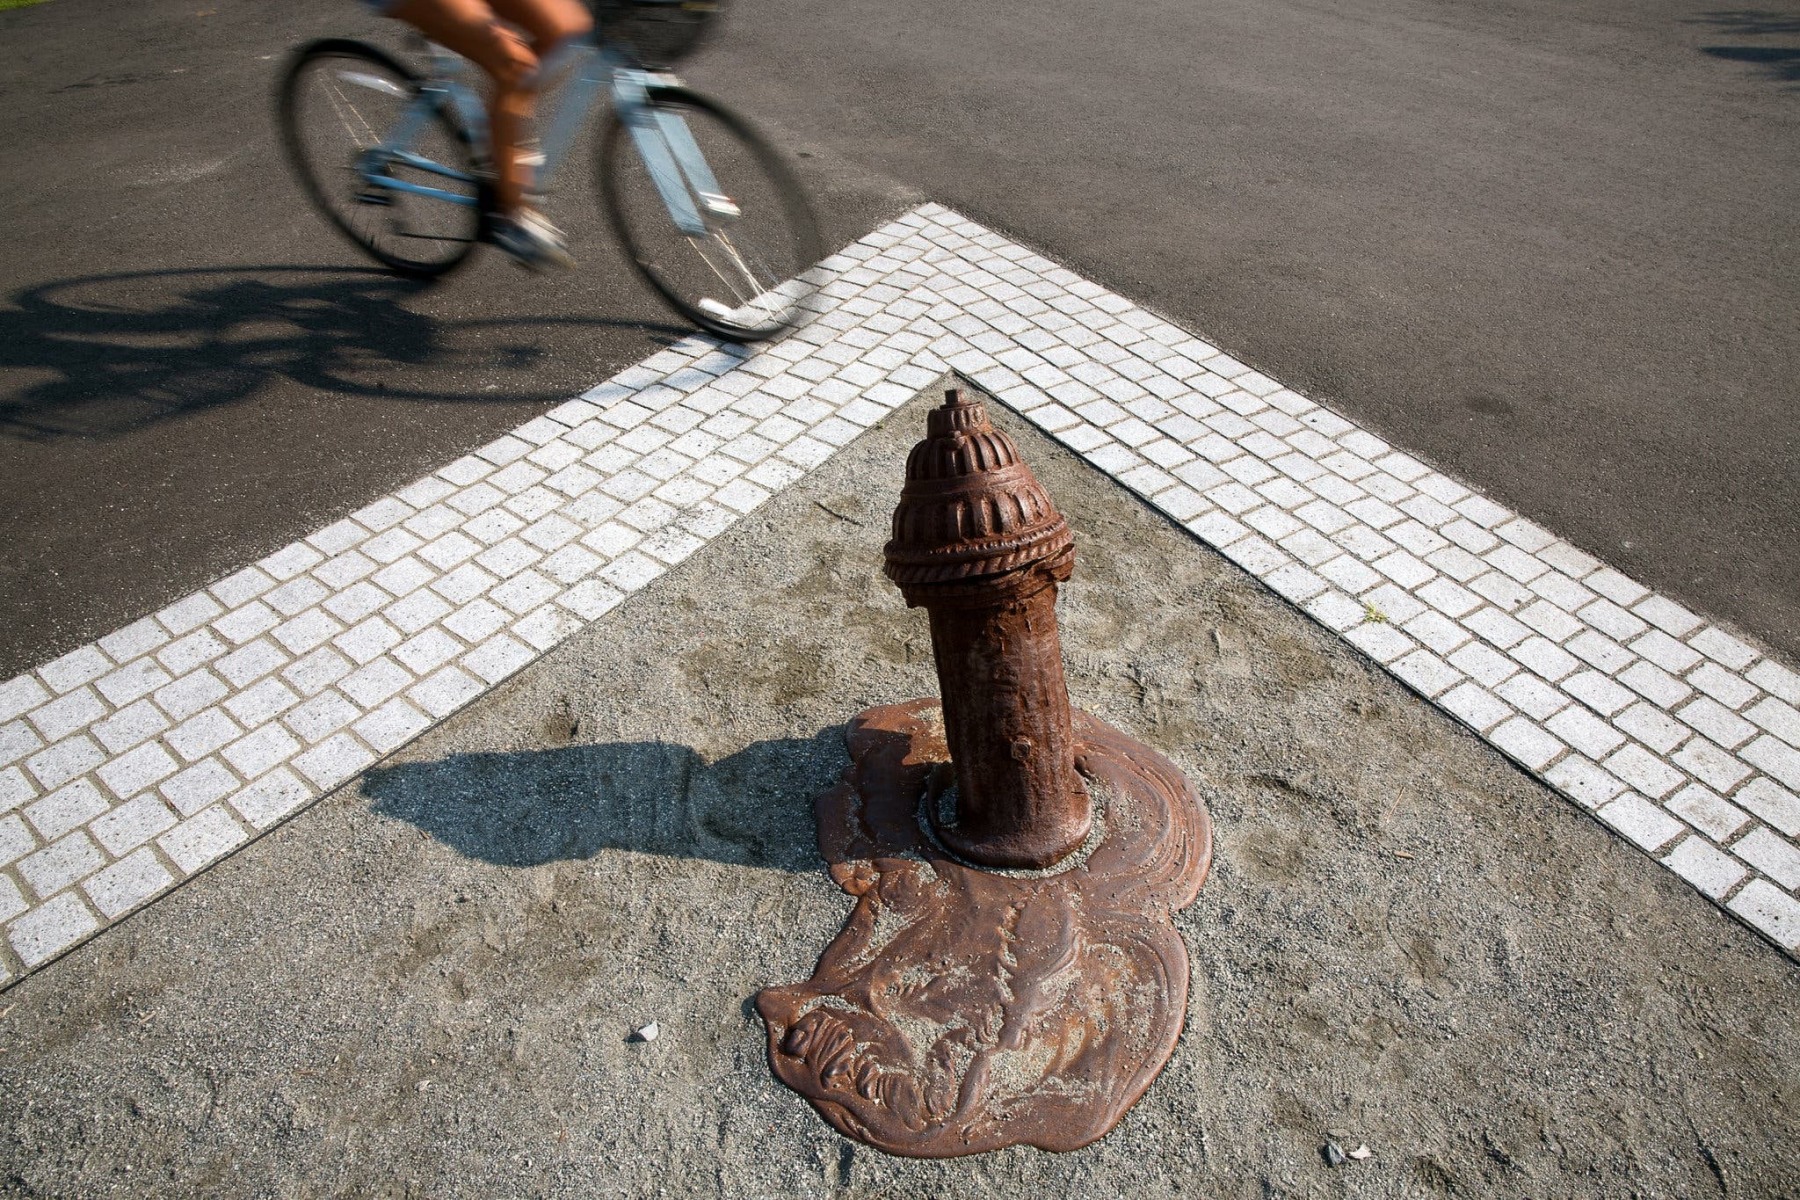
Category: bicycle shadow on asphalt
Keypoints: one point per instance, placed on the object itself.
(1779, 64)
(531, 807)
(128, 350)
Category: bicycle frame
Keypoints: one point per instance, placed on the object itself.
(679, 171)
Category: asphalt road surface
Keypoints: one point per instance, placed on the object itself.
(1549, 246)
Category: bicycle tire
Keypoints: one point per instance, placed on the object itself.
(756, 270)
(418, 237)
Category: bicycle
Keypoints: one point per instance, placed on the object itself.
(396, 161)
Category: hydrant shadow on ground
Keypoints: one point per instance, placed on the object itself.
(568, 803)
(1010, 973)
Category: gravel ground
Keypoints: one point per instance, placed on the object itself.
(425, 985)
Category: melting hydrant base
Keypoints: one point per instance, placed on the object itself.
(962, 1010)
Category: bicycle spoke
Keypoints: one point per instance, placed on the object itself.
(764, 277)
(343, 104)
(700, 246)
(759, 286)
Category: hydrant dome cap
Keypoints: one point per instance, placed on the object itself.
(970, 507)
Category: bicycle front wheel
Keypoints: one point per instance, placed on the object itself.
(415, 206)
(736, 277)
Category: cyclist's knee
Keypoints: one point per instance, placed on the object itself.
(514, 64)
(570, 25)
(557, 24)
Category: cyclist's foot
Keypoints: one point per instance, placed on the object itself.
(532, 241)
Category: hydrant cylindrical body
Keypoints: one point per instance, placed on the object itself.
(978, 544)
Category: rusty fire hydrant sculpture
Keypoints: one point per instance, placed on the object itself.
(979, 546)
(1011, 972)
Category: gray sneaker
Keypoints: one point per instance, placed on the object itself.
(533, 242)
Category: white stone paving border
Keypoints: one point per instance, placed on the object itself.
(133, 763)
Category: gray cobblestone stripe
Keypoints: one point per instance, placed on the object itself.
(128, 765)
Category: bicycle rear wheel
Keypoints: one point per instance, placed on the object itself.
(338, 102)
(737, 279)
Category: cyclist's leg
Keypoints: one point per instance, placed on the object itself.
(472, 29)
(548, 23)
